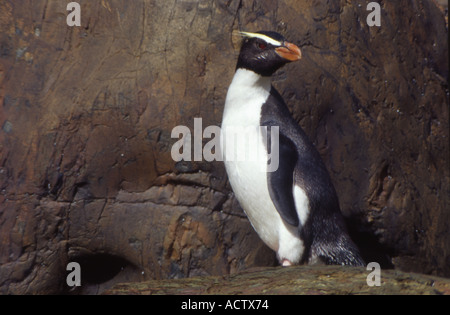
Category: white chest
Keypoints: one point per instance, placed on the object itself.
(245, 158)
(245, 154)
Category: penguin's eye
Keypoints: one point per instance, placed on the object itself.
(262, 45)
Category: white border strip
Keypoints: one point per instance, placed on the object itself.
(266, 38)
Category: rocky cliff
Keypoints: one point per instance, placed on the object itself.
(86, 115)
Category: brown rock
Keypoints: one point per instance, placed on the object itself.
(300, 280)
(86, 115)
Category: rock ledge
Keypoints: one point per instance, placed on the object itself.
(315, 280)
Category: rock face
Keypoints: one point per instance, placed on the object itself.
(86, 115)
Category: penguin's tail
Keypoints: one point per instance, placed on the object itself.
(340, 251)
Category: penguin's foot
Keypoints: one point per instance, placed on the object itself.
(286, 263)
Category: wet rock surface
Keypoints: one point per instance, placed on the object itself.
(86, 115)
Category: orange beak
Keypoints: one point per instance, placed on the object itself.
(289, 52)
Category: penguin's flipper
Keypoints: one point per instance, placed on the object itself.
(281, 181)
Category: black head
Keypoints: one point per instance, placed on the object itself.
(265, 52)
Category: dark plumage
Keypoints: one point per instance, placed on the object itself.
(264, 61)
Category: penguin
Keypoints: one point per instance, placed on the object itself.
(294, 207)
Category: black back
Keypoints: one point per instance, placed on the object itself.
(324, 233)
